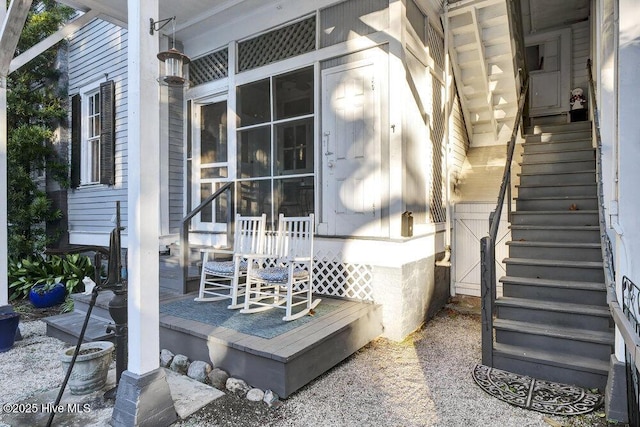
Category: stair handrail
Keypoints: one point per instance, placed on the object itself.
(626, 329)
(186, 226)
(487, 243)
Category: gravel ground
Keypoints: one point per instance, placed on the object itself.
(422, 381)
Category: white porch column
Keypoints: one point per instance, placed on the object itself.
(143, 396)
(143, 183)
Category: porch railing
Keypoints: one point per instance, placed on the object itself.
(626, 316)
(488, 243)
(185, 249)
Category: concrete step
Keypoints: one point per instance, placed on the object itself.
(569, 341)
(555, 233)
(567, 251)
(557, 203)
(570, 315)
(100, 309)
(574, 218)
(569, 144)
(577, 292)
(556, 167)
(584, 271)
(527, 191)
(580, 370)
(67, 327)
(559, 155)
(558, 178)
(559, 136)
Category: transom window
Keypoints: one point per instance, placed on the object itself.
(275, 145)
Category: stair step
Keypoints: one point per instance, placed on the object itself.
(580, 370)
(570, 291)
(556, 250)
(561, 166)
(67, 327)
(572, 341)
(569, 144)
(559, 136)
(559, 155)
(587, 176)
(555, 233)
(559, 203)
(574, 218)
(559, 190)
(587, 317)
(586, 271)
(558, 128)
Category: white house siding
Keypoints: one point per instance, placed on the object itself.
(458, 139)
(97, 52)
(176, 159)
(580, 53)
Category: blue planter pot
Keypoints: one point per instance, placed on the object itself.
(8, 326)
(41, 298)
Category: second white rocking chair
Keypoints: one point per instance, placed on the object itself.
(283, 279)
(222, 279)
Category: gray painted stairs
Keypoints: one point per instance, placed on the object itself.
(553, 321)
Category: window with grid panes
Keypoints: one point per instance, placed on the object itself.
(275, 145)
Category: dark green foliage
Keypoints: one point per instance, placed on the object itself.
(31, 271)
(34, 109)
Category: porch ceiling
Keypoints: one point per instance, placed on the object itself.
(193, 17)
(538, 15)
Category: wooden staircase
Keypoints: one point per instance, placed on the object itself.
(553, 321)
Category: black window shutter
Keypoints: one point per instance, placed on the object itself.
(107, 133)
(76, 123)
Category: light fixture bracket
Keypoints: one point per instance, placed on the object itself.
(159, 24)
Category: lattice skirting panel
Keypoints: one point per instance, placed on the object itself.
(333, 277)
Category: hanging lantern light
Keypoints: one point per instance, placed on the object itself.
(173, 59)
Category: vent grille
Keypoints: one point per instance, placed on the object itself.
(436, 46)
(209, 68)
(276, 45)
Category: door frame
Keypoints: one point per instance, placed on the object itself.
(196, 162)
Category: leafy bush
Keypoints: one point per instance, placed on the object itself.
(31, 271)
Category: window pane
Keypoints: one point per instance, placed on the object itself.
(206, 214)
(294, 94)
(294, 145)
(294, 196)
(221, 205)
(255, 198)
(94, 153)
(212, 173)
(213, 134)
(254, 153)
(254, 103)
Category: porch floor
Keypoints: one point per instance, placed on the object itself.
(261, 348)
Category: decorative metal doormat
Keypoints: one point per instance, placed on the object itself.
(530, 393)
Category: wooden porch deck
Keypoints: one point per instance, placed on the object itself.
(244, 345)
(259, 348)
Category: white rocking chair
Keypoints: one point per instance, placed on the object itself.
(283, 278)
(220, 280)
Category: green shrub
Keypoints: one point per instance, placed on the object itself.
(31, 271)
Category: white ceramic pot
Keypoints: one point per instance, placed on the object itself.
(90, 370)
